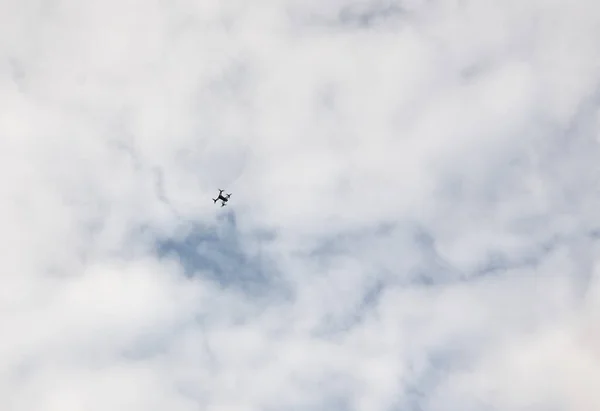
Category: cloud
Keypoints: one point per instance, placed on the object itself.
(413, 222)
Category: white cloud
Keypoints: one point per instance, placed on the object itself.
(413, 222)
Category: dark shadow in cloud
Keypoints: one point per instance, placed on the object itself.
(345, 242)
(219, 254)
(432, 267)
(356, 16)
(366, 16)
(332, 326)
(423, 384)
(422, 393)
(405, 254)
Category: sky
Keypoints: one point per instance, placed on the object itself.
(414, 218)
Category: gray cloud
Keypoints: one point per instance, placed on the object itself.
(413, 223)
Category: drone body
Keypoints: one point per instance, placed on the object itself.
(224, 198)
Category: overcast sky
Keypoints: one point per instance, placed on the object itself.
(414, 222)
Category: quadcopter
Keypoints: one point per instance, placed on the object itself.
(224, 198)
